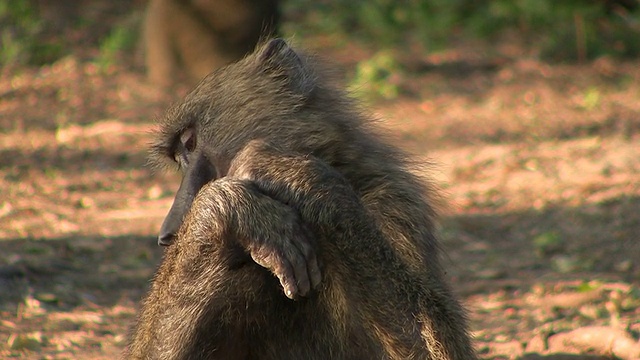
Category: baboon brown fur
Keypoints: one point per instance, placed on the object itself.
(197, 36)
(306, 235)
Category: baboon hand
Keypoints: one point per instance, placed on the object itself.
(286, 249)
(292, 256)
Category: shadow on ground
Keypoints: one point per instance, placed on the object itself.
(68, 272)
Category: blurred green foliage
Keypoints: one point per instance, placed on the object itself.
(558, 29)
(28, 37)
(122, 38)
(20, 30)
(547, 244)
(561, 29)
(591, 98)
(374, 78)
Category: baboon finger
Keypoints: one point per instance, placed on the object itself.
(307, 249)
(281, 269)
(299, 267)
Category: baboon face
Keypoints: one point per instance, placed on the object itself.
(261, 97)
(197, 170)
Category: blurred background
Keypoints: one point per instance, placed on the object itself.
(528, 111)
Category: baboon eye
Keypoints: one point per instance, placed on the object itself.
(186, 145)
(188, 139)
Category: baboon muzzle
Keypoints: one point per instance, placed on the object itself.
(197, 174)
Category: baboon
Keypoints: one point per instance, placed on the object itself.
(198, 36)
(306, 235)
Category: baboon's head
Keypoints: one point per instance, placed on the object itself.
(272, 94)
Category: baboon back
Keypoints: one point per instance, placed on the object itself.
(197, 36)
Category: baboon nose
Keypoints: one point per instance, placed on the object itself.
(165, 239)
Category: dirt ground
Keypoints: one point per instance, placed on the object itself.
(538, 164)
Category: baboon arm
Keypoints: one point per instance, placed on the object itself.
(270, 232)
(160, 54)
(324, 199)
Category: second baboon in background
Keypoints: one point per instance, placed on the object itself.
(198, 36)
(296, 233)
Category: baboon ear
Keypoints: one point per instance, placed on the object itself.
(279, 57)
